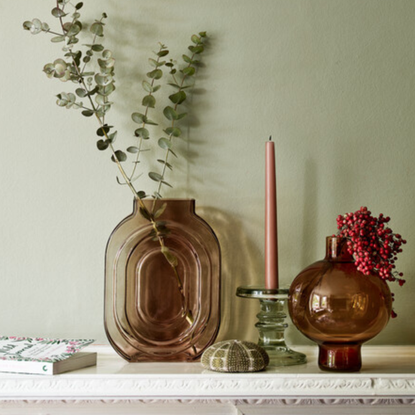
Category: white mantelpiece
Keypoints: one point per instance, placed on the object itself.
(386, 380)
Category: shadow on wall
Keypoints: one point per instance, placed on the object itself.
(241, 264)
(310, 215)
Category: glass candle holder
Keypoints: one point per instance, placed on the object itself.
(271, 325)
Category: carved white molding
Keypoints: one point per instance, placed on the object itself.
(114, 380)
(207, 387)
(235, 402)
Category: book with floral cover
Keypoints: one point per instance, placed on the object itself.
(42, 356)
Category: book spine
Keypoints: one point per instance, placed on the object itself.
(34, 368)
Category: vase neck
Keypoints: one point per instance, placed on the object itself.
(173, 206)
(336, 249)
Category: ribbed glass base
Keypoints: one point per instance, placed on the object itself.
(272, 324)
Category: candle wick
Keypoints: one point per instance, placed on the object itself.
(270, 138)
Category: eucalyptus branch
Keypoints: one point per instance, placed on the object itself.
(171, 113)
(149, 101)
(92, 97)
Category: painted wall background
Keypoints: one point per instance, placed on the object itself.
(332, 81)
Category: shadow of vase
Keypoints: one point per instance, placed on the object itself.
(241, 265)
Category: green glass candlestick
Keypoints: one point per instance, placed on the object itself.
(272, 324)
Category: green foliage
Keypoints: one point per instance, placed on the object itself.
(90, 67)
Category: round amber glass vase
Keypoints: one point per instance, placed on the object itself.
(338, 307)
(153, 311)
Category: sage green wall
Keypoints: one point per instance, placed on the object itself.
(332, 81)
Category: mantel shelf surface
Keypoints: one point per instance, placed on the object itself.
(117, 387)
(388, 372)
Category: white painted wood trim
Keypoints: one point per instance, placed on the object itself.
(387, 378)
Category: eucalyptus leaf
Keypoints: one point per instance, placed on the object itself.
(97, 48)
(103, 80)
(149, 101)
(170, 113)
(196, 49)
(107, 70)
(72, 40)
(155, 176)
(142, 132)
(175, 85)
(97, 29)
(189, 71)
(174, 131)
(120, 155)
(106, 90)
(107, 54)
(167, 184)
(101, 100)
(27, 25)
(160, 211)
(150, 88)
(145, 213)
(150, 122)
(182, 115)
(57, 12)
(82, 93)
(171, 258)
(165, 163)
(74, 29)
(179, 86)
(162, 53)
(35, 26)
(164, 143)
(178, 97)
(104, 130)
(61, 102)
(154, 63)
(141, 194)
(112, 137)
(195, 39)
(105, 63)
(139, 118)
(133, 149)
(155, 74)
(57, 39)
(79, 6)
(102, 145)
(87, 113)
(147, 86)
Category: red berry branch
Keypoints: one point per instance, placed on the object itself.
(373, 245)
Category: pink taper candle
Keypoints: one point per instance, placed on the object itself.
(271, 233)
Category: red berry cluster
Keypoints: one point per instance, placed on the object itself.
(373, 245)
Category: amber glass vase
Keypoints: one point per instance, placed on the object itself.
(338, 307)
(153, 311)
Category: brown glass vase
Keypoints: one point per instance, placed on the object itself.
(154, 311)
(338, 307)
